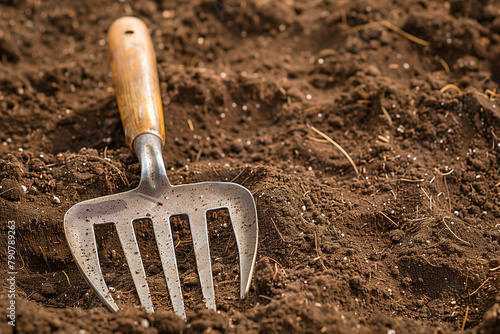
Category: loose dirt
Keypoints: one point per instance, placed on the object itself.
(409, 89)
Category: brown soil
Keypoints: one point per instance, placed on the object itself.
(410, 245)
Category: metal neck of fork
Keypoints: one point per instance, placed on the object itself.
(148, 149)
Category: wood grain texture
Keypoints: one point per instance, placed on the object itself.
(135, 78)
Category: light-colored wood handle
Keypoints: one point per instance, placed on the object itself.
(135, 78)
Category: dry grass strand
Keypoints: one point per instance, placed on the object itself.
(465, 318)
(456, 236)
(482, 284)
(451, 86)
(445, 65)
(279, 233)
(387, 116)
(389, 219)
(394, 28)
(334, 143)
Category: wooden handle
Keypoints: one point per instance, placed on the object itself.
(135, 78)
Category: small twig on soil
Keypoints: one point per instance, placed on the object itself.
(389, 219)
(456, 236)
(491, 93)
(386, 114)
(227, 245)
(379, 278)
(418, 219)
(308, 110)
(410, 180)
(237, 176)
(319, 140)
(465, 318)
(429, 197)
(384, 139)
(265, 297)
(367, 201)
(336, 145)
(403, 33)
(443, 174)
(310, 225)
(429, 262)
(199, 155)
(445, 65)
(66, 277)
(498, 184)
(451, 86)
(25, 81)
(303, 189)
(246, 179)
(279, 264)
(484, 261)
(394, 28)
(215, 171)
(275, 272)
(276, 227)
(446, 185)
(495, 269)
(45, 258)
(183, 242)
(475, 291)
(318, 251)
(22, 260)
(454, 119)
(495, 139)
(394, 194)
(190, 124)
(3, 192)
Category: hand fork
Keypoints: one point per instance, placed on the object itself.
(135, 78)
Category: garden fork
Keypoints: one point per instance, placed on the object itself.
(135, 78)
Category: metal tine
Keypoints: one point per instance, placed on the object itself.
(199, 233)
(165, 242)
(246, 235)
(130, 247)
(88, 261)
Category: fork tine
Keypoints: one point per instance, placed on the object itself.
(87, 259)
(130, 247)
(163, 235)
(199, 233)
(244, 222)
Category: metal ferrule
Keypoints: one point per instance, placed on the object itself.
(148, 149)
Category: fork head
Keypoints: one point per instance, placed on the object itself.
(157, 200)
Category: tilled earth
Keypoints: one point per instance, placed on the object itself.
(265, 93)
